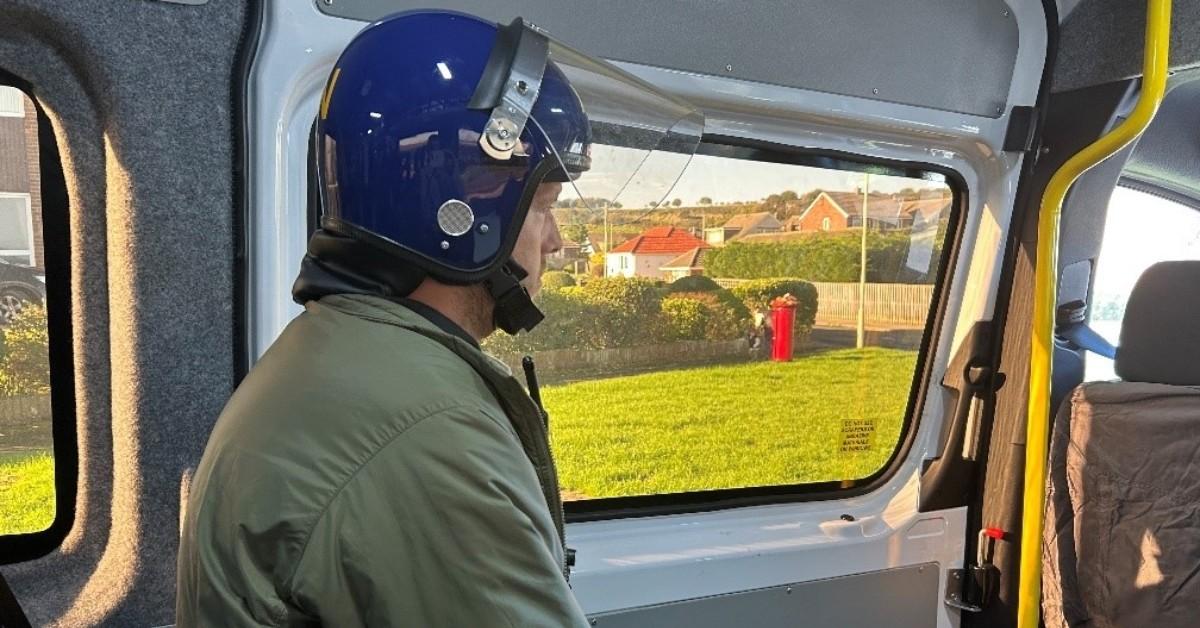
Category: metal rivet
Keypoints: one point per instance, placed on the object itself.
(522, 86)
(483, 228)
(445, 245)
(728, 67)
(504, 133)
(1006, 13)
(789, 590)
(593, 622)
(875, 90)
(999, 109)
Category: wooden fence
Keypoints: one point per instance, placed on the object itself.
(888, 305)
(25, 423)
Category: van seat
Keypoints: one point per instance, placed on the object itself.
(1121, 545)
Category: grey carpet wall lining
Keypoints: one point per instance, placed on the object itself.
(1102, 41)
(139, 93)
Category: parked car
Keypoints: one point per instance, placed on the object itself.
(19, 286)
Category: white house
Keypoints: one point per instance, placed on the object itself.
(646, 254)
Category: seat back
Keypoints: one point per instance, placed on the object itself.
(1122, 536)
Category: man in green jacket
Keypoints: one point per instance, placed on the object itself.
(376, 468)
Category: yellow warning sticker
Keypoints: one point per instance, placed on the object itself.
(857, 435)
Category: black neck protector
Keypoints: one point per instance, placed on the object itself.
(337, 264)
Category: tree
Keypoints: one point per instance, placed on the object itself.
(788, 195)
(705, 200)
(575, 233)
(653, 204)
(677, 202)
(617, 205)
(596, 264)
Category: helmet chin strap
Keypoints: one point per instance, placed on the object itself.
(515, 310)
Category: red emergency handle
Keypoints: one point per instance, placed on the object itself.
(783, 319)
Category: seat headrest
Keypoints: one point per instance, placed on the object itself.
(1160, 336)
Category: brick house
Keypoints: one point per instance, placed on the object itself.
(646, 254)
(20, 181)
(838, 211)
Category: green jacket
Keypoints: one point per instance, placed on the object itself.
(374, 470)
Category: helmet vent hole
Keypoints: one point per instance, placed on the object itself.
(455, 218)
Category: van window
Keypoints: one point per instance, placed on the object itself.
(731, 348)
(27, 483)
(1141, 229)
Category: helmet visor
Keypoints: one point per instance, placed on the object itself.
(636, 139)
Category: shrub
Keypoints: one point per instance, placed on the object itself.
(757, 295)
(25, 365)
(596, 264)
(628, 310)
(684, 318)
(722, 321)
(556, 279)
(570, 323)
(700, 283)
(693, 283)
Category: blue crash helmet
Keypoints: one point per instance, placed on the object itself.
(436, 128)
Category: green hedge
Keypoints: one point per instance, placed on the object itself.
(615, 312)
(685, 319)
(556, 279)
(702, 284)
(832, 257)
(757, 295)
(25, 366)
(693, 283)
(604, 313)
(710, 318)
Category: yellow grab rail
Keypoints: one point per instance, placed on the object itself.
(1154, 83)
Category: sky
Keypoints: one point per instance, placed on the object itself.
(1140, 230)
(722, 179)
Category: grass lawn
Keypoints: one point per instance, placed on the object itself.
(730, 426)
(26, 492)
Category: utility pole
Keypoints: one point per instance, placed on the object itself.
(606, 234)
(862, 267)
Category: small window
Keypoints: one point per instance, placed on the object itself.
(12, 103)
(1141, 229)
(16, 229)
(29, 499)
(826, 224)
(749, 374)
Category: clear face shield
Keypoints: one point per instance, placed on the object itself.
(619, 140)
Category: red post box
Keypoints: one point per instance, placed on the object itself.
(783, 319)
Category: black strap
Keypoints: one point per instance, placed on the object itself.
(11, 615)
(515, 310)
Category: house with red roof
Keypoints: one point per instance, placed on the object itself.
(646, 254)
